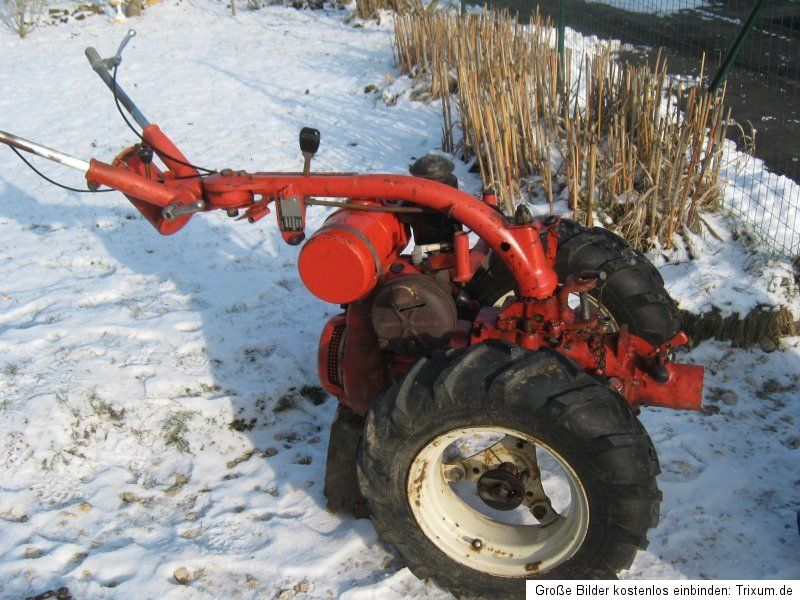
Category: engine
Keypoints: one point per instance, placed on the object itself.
(413, 315)
(395, 312)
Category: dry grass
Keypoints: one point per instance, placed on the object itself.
(370, 9)
(763, 324)
(635, 150)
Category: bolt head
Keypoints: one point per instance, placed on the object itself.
(456, 474)
(539, 511)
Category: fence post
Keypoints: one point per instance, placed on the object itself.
(562, 25)
(722, 72)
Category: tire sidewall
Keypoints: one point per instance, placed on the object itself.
(450, 572)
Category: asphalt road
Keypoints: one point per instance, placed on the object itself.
(764, 86)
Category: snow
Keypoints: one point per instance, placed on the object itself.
(757, 195)
(119, 348)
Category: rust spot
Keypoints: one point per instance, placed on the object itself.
(498, 552)
(533, 567)
(421, 477)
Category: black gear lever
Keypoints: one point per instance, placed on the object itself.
(309, 144)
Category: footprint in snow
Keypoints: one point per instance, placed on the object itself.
(681, 470)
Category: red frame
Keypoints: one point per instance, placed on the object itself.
(641, 373)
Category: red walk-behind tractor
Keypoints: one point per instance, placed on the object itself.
(488, 391)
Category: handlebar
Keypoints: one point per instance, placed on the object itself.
(100, 67)
(44, 151)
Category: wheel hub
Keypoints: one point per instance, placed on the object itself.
(500, 488)
(477, 493)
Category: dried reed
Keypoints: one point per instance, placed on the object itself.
(638, 151)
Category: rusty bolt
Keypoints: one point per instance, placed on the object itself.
(455, 474)
(477, 543)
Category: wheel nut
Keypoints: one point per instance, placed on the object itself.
(539, 511)
(477, 543)
(455, 474)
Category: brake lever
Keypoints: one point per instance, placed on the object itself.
(115, 60)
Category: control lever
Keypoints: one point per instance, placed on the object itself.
(115, 60)
(309, 144)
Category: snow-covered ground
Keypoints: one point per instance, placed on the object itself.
(153, 414)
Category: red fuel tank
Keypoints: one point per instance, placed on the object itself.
(344, 259)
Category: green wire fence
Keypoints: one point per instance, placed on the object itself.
(762, 79)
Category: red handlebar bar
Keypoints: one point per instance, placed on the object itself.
(518, 246)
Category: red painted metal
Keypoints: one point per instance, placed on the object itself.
(152, 212)
(461, 250)
(356, 250)
(343, 261)
(522, 256)
(153, 189)
(173, 158)
(365, 370)
(329, 356)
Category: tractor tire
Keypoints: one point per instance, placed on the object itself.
(539, 398)
(633, 293)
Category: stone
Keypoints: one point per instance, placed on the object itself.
(182, 576)
(767, 344)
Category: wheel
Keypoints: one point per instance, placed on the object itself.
(491, 465)
(633, 293)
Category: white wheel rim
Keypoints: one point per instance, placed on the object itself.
(475, 537)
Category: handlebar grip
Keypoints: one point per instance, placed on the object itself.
(94, 59)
